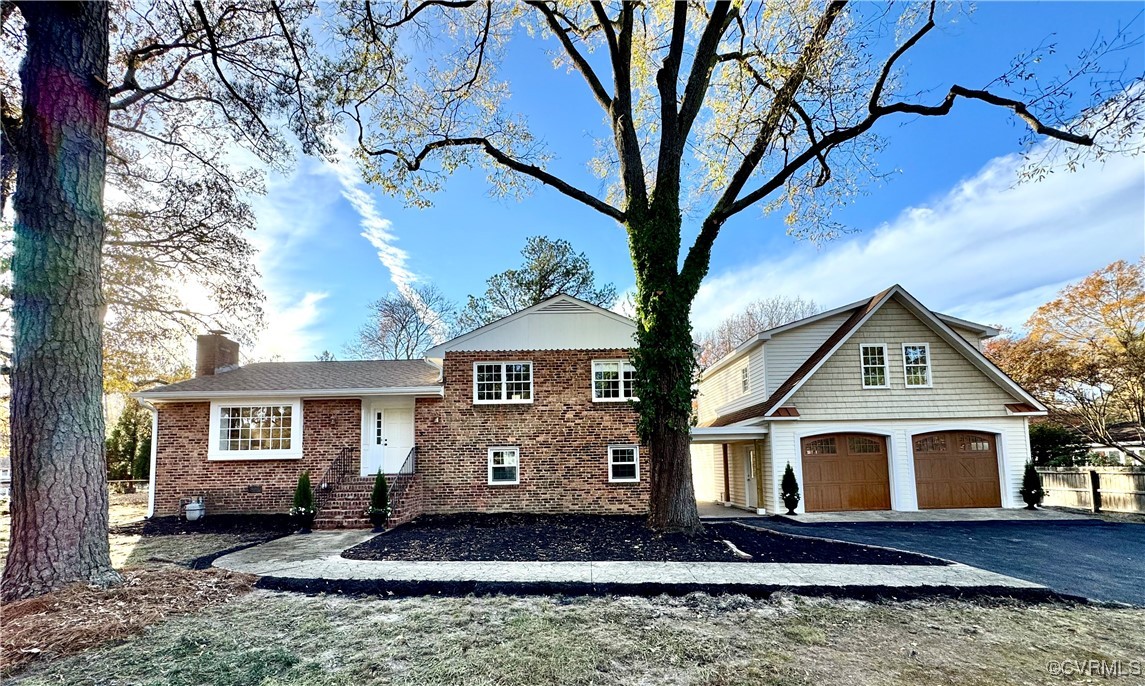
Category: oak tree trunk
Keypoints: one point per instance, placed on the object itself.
(665, 363)
(59, 474)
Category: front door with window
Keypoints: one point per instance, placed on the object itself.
(749, 476)
(388, 433)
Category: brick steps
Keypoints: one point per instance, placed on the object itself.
(345, 507)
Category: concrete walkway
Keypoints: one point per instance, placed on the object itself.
(317, 556)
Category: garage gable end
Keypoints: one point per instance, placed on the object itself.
(959, 380)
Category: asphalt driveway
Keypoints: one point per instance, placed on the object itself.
(1090, 558)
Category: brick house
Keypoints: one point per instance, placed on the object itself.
(530, 413)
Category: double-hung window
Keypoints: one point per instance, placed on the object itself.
(916, 364)
(874, 365)
(613, 381)
(504, 466)
(503, 382)
(744, 380)
(623, 463)
(255, 430)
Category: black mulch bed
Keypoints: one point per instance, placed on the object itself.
(583, 538)
(273, 525)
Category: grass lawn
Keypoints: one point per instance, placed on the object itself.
(175, 626)
(265, 638)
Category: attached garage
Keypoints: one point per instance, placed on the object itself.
(845, 471)
(956, 469)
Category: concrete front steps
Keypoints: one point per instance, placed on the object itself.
(345, 508)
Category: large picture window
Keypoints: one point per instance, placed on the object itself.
(916, 364)
(503, 382)
(251, 430)
(613, 380)
(504, 466)
(874, 365)
(623, 463)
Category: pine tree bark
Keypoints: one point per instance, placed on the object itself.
(59, 481)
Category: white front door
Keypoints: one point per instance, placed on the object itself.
(749, 476)
(388, 439)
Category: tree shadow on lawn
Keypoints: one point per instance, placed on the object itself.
(582, 538)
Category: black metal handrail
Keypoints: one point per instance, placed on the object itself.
(335, 473)
(400, 485)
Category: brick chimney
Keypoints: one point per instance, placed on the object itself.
(215, 352)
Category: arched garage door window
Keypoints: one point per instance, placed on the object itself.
(956, 469)
(845, 472)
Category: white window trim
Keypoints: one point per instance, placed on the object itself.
(296, 421)
(592, 381)
(886, 365)
(507, 400)
(636, 453)
(489, 461)
(745, 380)
(929, 366)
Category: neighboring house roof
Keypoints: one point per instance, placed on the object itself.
(1127, 433)
(351, 377)
(773, 405)
(560, 323)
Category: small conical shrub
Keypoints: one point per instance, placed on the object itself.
(379, 510)
(1031, 490)
(380, 496)
(303, 495)
(789, 489)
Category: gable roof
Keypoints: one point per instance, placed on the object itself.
(613, 330)
(767, 334)
(863, 310)
(351, 377)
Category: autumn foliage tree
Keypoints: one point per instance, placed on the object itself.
(1084, 356)
(707, 110)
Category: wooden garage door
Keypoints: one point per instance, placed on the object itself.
(956, 469)
(845, 472)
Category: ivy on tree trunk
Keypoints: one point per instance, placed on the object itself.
(59, 481)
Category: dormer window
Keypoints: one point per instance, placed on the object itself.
(502, 382)
(744, 381)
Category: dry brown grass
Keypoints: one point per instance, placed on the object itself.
(81, 616)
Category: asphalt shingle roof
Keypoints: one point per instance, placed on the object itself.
(310, 376)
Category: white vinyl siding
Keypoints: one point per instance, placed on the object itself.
(723, 390)
(960, 389)
(790, 349)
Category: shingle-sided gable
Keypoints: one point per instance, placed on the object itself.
(959, 388)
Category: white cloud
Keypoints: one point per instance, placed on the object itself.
(989, 251)
(378, 230)
(289, 333)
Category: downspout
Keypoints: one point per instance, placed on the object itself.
(154, 452)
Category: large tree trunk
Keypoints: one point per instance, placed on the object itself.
(59, 475)
(665, 363)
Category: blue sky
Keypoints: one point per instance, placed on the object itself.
(950, 224)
